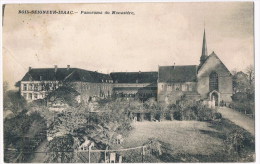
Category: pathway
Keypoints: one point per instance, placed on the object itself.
(238, 118)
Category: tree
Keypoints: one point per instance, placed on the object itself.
(61, 149)
(14, 101)
(5, 87)
(251, 78)
(250, 71)
(240, 82)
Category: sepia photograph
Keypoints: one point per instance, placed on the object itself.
(149, 82)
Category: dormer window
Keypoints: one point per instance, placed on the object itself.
(40, 77)
(30, 78)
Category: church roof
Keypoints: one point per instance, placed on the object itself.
(178, 74)
(134, 77)
(64, 74)
(210, 56)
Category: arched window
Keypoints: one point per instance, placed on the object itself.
(213, 81)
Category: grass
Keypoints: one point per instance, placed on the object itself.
(186, 141)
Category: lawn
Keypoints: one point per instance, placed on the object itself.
(186, 141)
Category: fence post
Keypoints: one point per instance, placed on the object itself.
(106, 155)
(143, 154)
(89, 155)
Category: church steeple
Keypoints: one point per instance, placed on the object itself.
(204, 53)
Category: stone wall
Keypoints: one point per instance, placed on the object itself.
(89, 91)
(169, 93)
(213, 64)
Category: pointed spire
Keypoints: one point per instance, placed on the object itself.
(204, 45)
(204, 53)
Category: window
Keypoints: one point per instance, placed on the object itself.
(213, 81)
(35, 96)
(190, 87)
(42, 86)
(30, 96)
(169, 87)
(184, 87)
(51, 86)
(177, 87)
(36, 87)
(30, 87)
(24, 87)
(25, 95)
(162, 86)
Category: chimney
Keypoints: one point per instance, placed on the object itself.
(68, 67)
(30, 68)
(55, 68)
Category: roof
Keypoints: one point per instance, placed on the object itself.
(210, 56)
(178, 73)
(65, 74)
(134, 77)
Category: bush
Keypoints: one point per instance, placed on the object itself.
(205, 114)
(177, 115)
(245, 106)
(191, 110)
(217, 115)
(237, 142)
(60, 149)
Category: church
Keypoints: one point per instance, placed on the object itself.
(209, 81)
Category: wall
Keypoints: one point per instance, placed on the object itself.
(90, 90)
(39, 89)
(213, 63)
(169, 93)
(143, 91)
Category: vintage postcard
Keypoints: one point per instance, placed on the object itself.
(128, 82)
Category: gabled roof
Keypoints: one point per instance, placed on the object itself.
(134, 77)
(178, 74)
(64, 74)
(210, 56)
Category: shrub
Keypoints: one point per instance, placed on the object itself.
(60, 148)
(237, 141)
(245, 106)
(191, 110)
(217, 115)
(205, 114)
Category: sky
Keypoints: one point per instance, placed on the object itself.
(157, 34)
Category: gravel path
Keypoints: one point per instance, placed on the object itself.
(239, 119)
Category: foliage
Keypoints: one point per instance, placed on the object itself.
(68, 94)
(237, 141)
(14, 101)
(17, 127)
(244, 106)
(191, 110)
(61, 149)
(245, 81)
